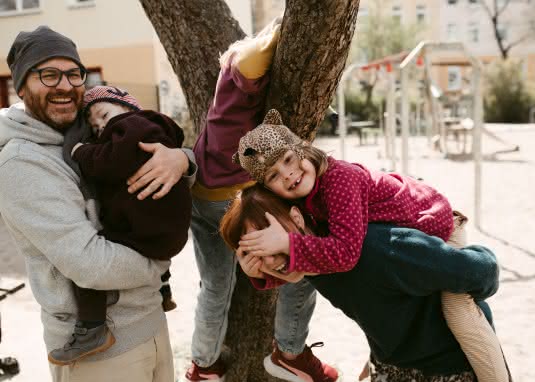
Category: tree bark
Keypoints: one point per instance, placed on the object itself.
(193, 34)
(314, 44)
(312, 52)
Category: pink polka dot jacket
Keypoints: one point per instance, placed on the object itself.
(347, 197)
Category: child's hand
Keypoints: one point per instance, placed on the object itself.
(250, 264)
(76, 147)
(164, 170)
(272, 240)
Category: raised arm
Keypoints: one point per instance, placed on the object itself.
(40, 200)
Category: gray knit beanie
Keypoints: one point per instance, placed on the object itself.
(31, 48)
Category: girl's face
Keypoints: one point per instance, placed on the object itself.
(290, 177)
(101, 112)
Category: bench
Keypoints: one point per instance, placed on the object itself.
(363, 129)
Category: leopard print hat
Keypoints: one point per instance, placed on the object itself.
(261, 147)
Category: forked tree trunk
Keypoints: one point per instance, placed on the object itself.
(312, 52)
(310, 57)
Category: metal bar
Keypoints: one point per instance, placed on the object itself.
(404, 121)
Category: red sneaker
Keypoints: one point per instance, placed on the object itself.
(214, 373)
(305, 368)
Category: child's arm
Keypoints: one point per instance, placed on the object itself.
(345, 197)
(120, 156)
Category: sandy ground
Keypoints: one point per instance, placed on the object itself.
(508, 211)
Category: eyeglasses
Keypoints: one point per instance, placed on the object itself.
(51, 77)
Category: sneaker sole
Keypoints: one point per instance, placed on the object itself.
(105, 346)
(280, 372)
(220, 379)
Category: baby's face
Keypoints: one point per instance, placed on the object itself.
(101, 112)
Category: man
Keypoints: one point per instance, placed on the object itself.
(45, 212)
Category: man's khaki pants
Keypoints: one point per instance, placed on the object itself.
(151, 361)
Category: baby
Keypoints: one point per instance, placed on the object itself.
(157, 229)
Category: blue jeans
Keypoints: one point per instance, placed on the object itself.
(217, 267)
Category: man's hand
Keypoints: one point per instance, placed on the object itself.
(272, 240)
(250, 264)
(164, 170)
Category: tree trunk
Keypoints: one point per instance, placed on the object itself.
(314, 44)
(312, 52)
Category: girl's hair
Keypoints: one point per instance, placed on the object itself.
(317, 157)
(251, 205)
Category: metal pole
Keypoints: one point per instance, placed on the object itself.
(391, 119)
(342, 128)
(404, 121)
(476, 145)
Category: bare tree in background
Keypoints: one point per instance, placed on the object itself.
(313, 48)
(495, 10)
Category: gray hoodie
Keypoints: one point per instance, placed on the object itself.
(44, 211)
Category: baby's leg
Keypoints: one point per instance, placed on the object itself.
(91, 334)
(470, 327)
(91, 306)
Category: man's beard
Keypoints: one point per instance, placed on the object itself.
(37, 105)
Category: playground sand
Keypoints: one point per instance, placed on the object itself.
(508, 211)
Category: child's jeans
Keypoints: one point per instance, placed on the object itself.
(469, 325)
(217, 267)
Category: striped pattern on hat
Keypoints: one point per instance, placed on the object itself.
(109, 94)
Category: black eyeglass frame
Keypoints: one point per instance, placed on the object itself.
(83, 74)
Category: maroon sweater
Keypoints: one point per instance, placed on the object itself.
(237, 108)
(157, 229)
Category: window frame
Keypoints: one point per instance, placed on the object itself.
(76, 4)
(457, 85)
(421, 10)
(20, 11)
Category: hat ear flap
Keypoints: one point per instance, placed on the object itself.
(272, 117)
(236, 158)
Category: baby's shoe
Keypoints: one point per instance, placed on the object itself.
(84, 342)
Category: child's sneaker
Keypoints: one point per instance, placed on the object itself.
(305, 368)
(214, 373)
(84, 342)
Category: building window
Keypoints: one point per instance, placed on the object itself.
(420, 14)
(94, 78)
(451, 32)
(80, 3)
(452, 2)
(473, 32)
(362, 14)
(502, 31)
(8, 95)
(18, 6)
(473, 1)
(396, 13)
(454, 78)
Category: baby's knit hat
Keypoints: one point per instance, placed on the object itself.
(261, 147)
(109, 94)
